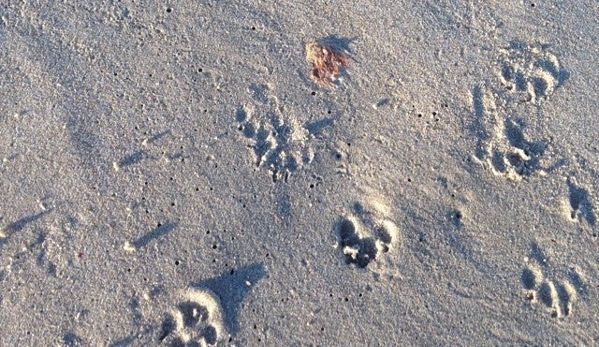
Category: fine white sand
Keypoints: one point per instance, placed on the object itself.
(173, 176)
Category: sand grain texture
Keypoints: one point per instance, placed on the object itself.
(174, 176)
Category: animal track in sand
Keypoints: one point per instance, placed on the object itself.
(280, 144)
(579, 207)
(530, 70)
(366, 234)
(195, 321)
(503, 145)
(558, 297)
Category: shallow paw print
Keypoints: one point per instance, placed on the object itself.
(196, 321)
(504, 147)
(531, 70)
(557, 297)
(279, 144)
(364, 238)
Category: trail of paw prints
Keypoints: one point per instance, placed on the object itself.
(195, 321)
(365, 235)
(503, 146)
(557, 296)
(530, 71)
(278, 143)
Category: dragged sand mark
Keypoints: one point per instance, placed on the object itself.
(503, 147)
(578, 207)
(149, 146)
(36, 238)
(530, 71)
(279, 143)
(195, 321)
(557, 296)
(366, 234)
(159, 231)
(21, 223)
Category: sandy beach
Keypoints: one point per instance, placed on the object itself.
(180, 173)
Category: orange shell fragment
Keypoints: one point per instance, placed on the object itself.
(327, 62)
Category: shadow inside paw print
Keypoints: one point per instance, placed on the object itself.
(503, 146)
(557, 296)
(580, 203)
(196, 321)
(532, 70)
(362, 250)
(524, 156)
(193, 313)
(356, 250)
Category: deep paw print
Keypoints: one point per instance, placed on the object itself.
(195, 321)
(530, 70)
(512, 155)
(279, 144)
(364, 236)
(558, 297)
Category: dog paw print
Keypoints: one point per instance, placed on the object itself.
(195, 321)
(278, 144)
(530, 70)
(503, 145)
(557, 297)
(512, 155)
(364, 236)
